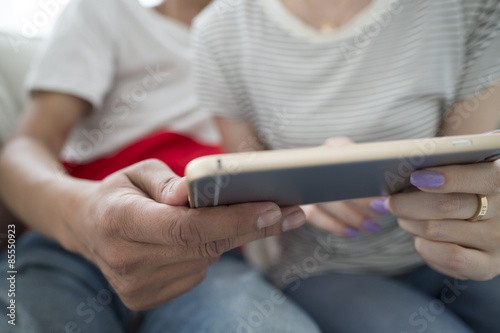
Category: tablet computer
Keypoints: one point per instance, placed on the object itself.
(320, 174)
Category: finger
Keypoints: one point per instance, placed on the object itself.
(466, 234)
(177, 192)
(158, 255)
(324, 221)
(455, 260)
(351, 216)
(158, 182)
(481, 178)
(435, 206)
(371, 206)
(293, 216)
(149, 222)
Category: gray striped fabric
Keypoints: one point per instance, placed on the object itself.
(391, 76)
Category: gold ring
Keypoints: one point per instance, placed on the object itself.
(482, 209)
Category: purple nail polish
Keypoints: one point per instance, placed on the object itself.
(372, 226)
(386, 205)
(351, 232)
(379, 206)
(427, 179)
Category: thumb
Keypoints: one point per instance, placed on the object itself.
(159, 182)
(177, 192)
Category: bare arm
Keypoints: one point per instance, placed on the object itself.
(135, 224)
(476, 114)
(238, 135)
(32, 183)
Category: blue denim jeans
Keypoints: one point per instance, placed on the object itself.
(57, 291)
(423, 301)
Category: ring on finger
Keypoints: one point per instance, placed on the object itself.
(481, 210)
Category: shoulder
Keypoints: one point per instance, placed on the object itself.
(94, 11)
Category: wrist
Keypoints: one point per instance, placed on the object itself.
(71, 196)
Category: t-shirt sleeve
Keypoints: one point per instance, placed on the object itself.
(77, 57)
(215, 79)
(482, 58)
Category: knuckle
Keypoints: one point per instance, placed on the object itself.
(433, 229)
(114, 218)
(495, 181)
(108, 228)
(185, 233)
(149, 163)
(165, 184)
(458, 260)
(271, 231)
(448, 204)
(216, 249)
(120, 265)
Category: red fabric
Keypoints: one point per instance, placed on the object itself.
(174, 149)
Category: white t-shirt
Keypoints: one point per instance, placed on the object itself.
(389, 74)
(132, 64)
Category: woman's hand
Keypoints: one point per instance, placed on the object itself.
(438, 213)
(346, 218)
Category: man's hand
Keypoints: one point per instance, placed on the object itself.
(136, 226)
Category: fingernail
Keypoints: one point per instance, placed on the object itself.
(294, 220)
(269, 218)
(379, 206)
(372, 226)
(386, 205)
(351, 232)
(427, 179)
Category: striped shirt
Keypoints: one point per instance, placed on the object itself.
(389, 74)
